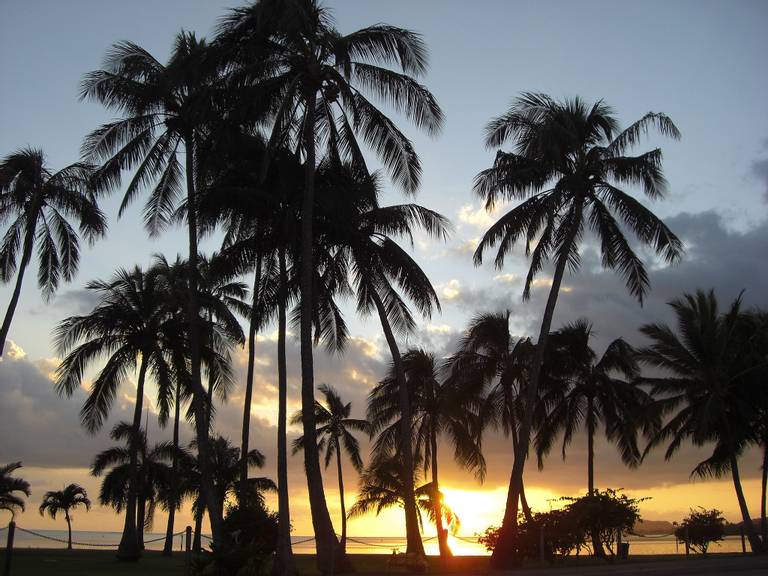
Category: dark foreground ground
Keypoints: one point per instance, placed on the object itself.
(41, 562)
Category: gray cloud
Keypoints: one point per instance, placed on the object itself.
(760, 170)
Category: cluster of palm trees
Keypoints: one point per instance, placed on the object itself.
(257, 136)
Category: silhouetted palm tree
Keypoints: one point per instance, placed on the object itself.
(65, 500)
(334, 430)
(707, 387)
(151, 477)
(128, 324)
(8, 485)
(568, 167)
(594, 393)
(314, 76)
(166, 109)
(41, 205)
(438, 408)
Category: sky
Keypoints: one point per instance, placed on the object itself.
(700, 62)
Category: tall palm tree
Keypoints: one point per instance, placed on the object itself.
(65, 500)
(127, 328)
(316, 79)
(595, 393)
(151, 477)
(706, 389)
(438, 408)
(41, 205)
(166, 110)
(8, 485)
(568, 166)
(334, 431)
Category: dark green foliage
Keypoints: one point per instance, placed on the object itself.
(701, 528)
(605, 512)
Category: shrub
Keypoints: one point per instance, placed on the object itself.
(702, 527)
(605, 512)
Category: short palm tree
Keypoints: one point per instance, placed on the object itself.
(8, 485)
(596, 390)
(128, 327)
(568, 166)
(706, 389)
(42, 205)
(65, 500)
(316, 79)
(334, 430)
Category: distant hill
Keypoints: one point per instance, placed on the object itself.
(653, 527)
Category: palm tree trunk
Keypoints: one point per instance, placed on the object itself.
(597, 546)
(284, 564)
(763, 520)
(69, 529)
(26, 257)
(505, 554)
(414, 544)
(140, 520)
(527, 513)
(197, 540)
(442, 534)
(343, 542)
(128, 548)
(252, 325)
(198, 392)
(749, 527)
(330, 556)
(174, 495)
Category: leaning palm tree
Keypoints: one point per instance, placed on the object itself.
(166, 110)
(597, 390)
(335, 429)
(568, 166)
(8, 485)
(127, 328)
(439, 408)
(41, 205)
(65, 500)
(316, 79)
(706, 388)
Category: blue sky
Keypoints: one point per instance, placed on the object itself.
(701, 62)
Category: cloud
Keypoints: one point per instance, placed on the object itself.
(759, 169)
(476, 216)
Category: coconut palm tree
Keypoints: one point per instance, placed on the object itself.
(568, 166)
(316, 79)
(41, 206)
(65, 500)
(166, 111)
(150, 475)
(8, 485)
(706, 388)
(438, 408)
(334, 431)
(595, 393)
(128, 328)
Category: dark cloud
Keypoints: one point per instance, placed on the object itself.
(760, 170)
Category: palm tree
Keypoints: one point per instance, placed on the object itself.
(709, 366)
(595, 393)
(166, 109)
(8, 485)
(314, 76)
(335, 429)
(71, 497)
(41, 205)
(149, 478)
(129, 323)
(438, 408)
(568, 167)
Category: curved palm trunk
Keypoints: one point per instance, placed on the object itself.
(199, 395)
(284, 564)
(527, 512)
(174, 495)
(26, 257)
(252, 325)
(442, 533)
(505, 554)
(749, 527)
(763, 520)
(330, 556)
(69, 529)
(414, 544)
(597, 546)
(343, 541)
(129, 543)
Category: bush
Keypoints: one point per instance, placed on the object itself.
(702, 528)
(605, 513)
